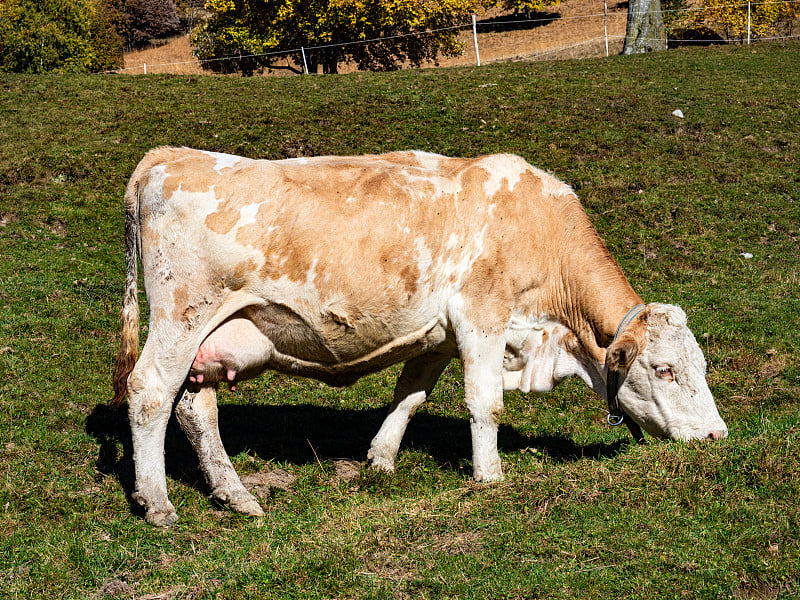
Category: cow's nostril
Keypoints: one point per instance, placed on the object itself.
(716, 435)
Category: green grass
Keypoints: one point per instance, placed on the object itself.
(582, 514)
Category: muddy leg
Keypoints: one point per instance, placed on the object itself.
(197, 415)
(150, 398)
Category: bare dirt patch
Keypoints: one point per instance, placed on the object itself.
(260, 483)
(7, 217)
(774, 366)
(347, 470)
(58, 227)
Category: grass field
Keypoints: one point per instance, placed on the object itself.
(582, 513)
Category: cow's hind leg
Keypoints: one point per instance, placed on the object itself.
(414, 385)
(152, 388)
(197, 415)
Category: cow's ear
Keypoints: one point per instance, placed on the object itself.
(624, 350)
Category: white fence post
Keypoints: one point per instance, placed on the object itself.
(605, 23)
(144, 66)
(475, 39)
(748, 23)
(305, 65)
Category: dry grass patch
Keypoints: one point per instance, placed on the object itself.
(174, 56)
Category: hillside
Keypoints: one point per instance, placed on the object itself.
(577, 32)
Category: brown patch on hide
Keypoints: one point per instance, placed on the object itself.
(397, 268)
(569, 270)
(404, 158)
(225, 217)
(409, 274)
(181, 298)
(487, 296)
(487, 291)
(190, 171)
(345, 223)
(150, 236)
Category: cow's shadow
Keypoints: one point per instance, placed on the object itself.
(306, 433)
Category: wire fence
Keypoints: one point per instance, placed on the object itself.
(555, 35)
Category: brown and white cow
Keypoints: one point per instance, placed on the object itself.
(335, 267)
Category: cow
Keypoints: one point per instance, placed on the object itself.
(336, 267)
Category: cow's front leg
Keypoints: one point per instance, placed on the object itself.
(414, 385)
(482, 361)
(197, 414)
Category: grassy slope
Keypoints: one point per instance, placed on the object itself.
(582, 514)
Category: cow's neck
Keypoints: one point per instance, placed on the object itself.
(595, 295)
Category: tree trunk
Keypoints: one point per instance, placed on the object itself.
(645, 31)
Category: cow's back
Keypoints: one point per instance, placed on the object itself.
(356, 252)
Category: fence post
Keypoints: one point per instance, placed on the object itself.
(144, 66)
(305, 65)
(475, 39)
(748, 23)
(605, 23)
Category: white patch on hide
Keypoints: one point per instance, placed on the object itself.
(453, 241)
(427, 160)
(247, 215)
(223, 161)
(423, 255)
(504, 170)
(552, 186)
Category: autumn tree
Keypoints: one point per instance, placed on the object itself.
(251, 29)
(766, 18)
(147, 20)
(63, 36)
(526, 6)
(191, 12)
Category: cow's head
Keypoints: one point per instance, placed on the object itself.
(662, 372)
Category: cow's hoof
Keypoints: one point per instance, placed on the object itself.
(379, 463)
(158, 514)
(158, 518)
(489, 477)
(247, 506)
(240, 501)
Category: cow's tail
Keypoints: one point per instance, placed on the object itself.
(129, 344)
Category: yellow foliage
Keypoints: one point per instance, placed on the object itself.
(329, 28)
(220, 6)
(730, 18)
(527, 6)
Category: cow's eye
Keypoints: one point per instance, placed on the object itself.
(664, 372)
